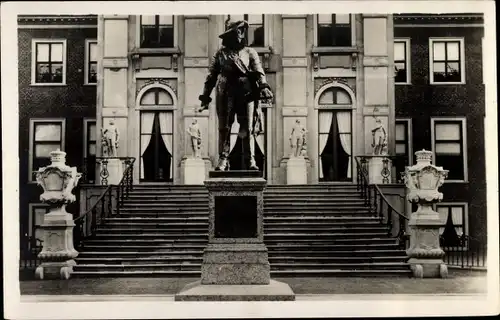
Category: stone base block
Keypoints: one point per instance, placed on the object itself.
(375, 169)
(237, 263)
(274, 291)
(194, 171)
(115, 170)
(428, 268)
(296, 171)
(55, 270)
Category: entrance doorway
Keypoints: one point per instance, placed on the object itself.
(156, 146)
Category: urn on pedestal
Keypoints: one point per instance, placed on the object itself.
(57, 181)
(423, 181)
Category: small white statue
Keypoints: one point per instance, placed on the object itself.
(379, 139)
(195, 134)
(110, 139)
(298, 140)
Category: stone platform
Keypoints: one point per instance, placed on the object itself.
(235, 262)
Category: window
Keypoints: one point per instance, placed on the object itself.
(448, 146)
(90, 62)
(334, 30)
(46, 136)
(255, 33)
(37, 212)
(403, 146)
(49, 62)
(90, 144)
(453, 218)
(447, 61)
(402, 61)
(156, 97)
(157, 31)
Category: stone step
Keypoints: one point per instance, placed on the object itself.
(120, 248)
(160, 219)
(147, 242)
(406, 272)
(139, 231)
(142, 225)
(272, 229)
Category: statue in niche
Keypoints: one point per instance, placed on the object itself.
(379, 139)
(110, 137)
(195, 135)
(240, 83)
(298, 142)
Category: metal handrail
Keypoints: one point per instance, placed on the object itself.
(104, 205)
(376, 198)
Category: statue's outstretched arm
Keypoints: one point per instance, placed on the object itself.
(211, 80)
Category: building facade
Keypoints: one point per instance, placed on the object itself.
(342, 76)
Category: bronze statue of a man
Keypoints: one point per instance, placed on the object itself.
(240, 82)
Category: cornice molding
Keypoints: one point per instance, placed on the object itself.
(58, 19)
(438, 18)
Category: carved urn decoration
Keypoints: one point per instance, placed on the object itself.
(423, 181)
(58, 181)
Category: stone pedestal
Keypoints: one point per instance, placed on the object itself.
(426, 255)
(296, 170)
(115, 170)
(194, 171)
(378, 172)
(58, 252)
(235, 263)
(423, 181)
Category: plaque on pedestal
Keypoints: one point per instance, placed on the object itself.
(235, 262)
(194, 171)
(296, 171)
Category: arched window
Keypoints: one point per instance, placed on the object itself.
(335, 135)
(156, 97)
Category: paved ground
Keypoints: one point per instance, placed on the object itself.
(459, 282)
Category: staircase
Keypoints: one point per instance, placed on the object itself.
(313, 230)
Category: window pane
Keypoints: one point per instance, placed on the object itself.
(93, 73)
(57, 73)
(164, 98)
(457, 215)
(47, 132)
(256, 36)
(237, 17)
(400, 148)
(92, 132)
(342, 19)
(166, 20)
(400, 76)
(342, 36)
(93, 51)
(149, 36)
(148, 98)
(42, 52)
(400, 132)
(325, 122)
(327, 97)
(148, 20)
(166, 37)
(44, 150)
(343, 97)
(439, 53)
(453, 50)
(324, 18)
(92, 148)
(325, 38)
(255, 19)
(443, 214)
(447, 131)
(43, 73)
(399, 51)
(56, 55)
(439, 67)
(453, 163)
(448, 148)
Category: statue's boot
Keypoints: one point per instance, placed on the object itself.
(253, 164)
(223, 165)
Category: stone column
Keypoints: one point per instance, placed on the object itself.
(57, 181)
(423, 181)
(378, 89)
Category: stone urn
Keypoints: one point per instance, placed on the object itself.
(423, 181)
(58, 181)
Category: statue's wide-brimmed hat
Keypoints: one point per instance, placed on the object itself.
(233, 26)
